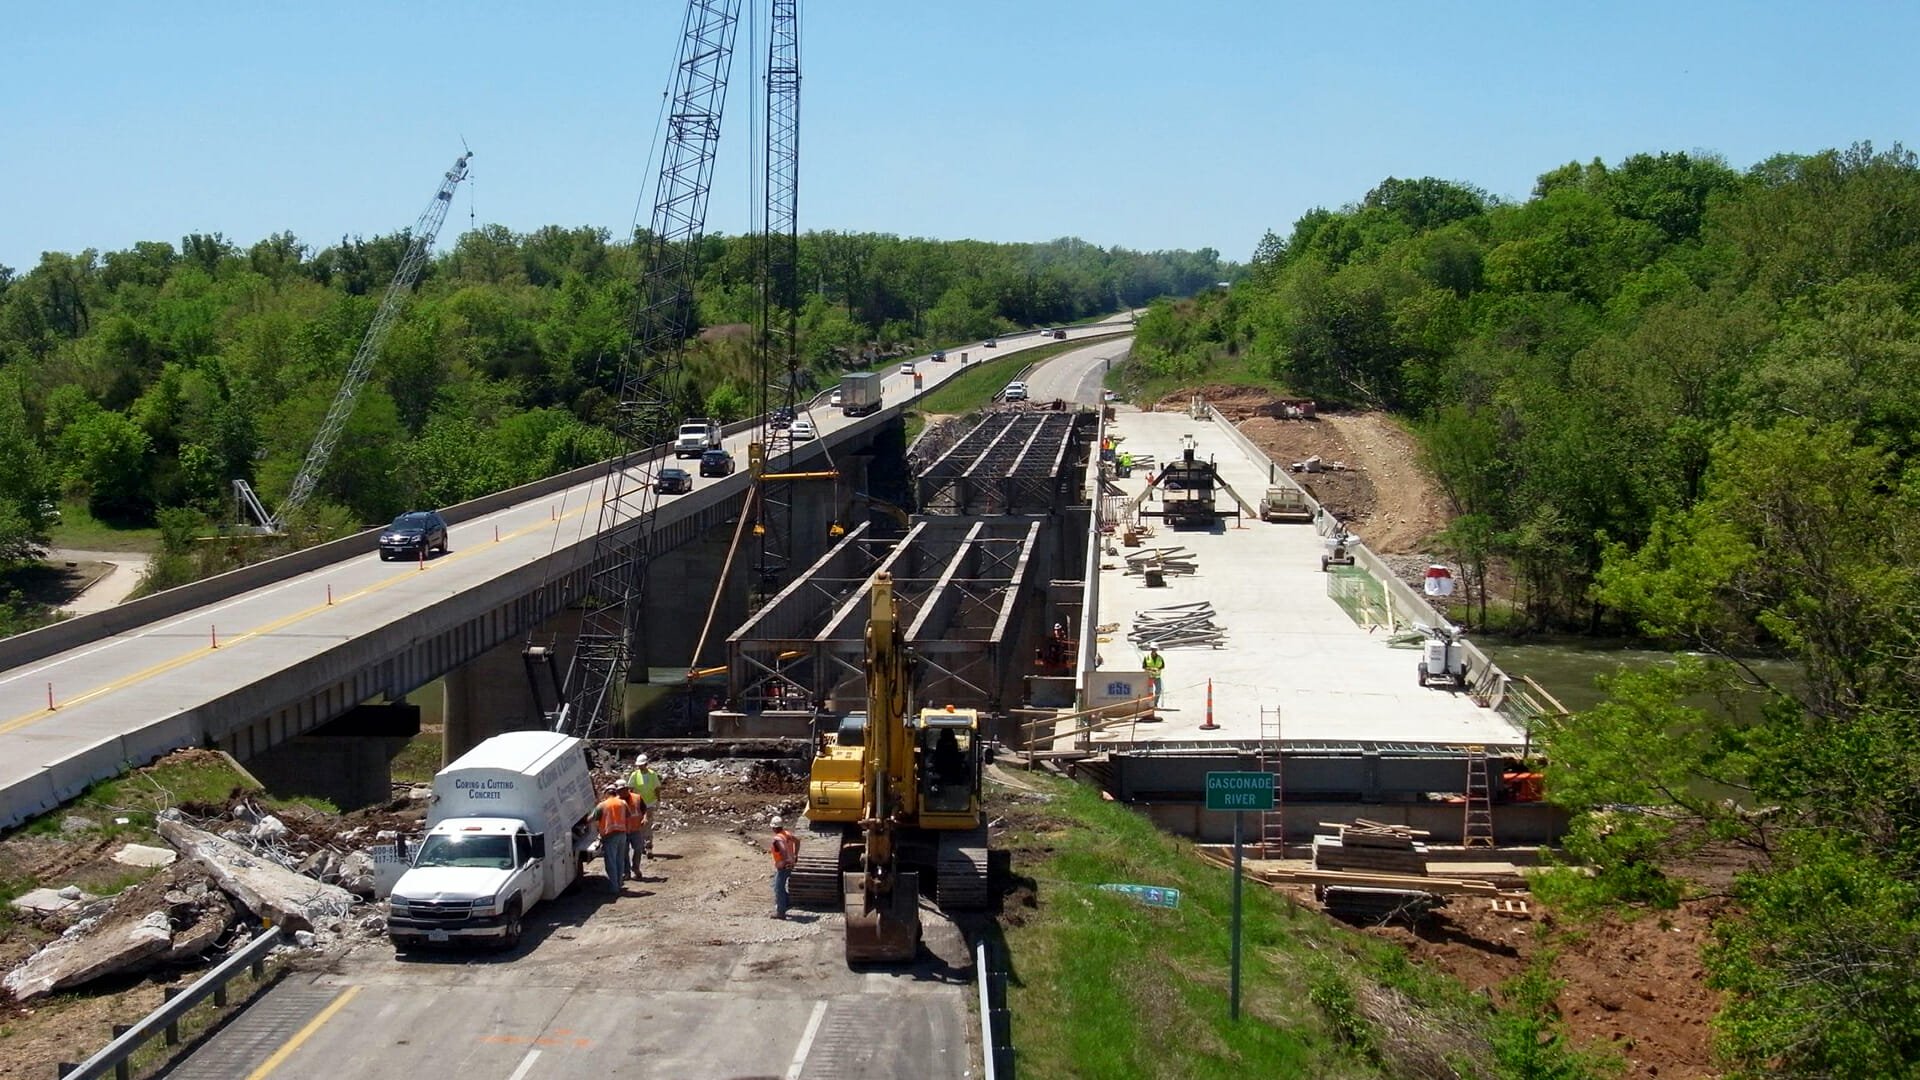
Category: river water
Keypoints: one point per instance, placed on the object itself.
(1568, 667)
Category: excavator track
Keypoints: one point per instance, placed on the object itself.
(815, 882)
(961, 882)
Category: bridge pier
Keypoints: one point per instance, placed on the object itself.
(345, 761)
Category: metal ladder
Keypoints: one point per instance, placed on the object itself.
(1273, 830)
(1477, 830)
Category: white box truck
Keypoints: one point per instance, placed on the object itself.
(509, 826)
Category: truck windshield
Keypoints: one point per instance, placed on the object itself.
(489, 852)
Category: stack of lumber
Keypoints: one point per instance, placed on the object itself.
(1371, 846)
(1182, 625)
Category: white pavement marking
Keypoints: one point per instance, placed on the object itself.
(526, 1065)
(806, 1041)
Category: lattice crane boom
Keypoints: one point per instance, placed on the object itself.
(420, 243)
(592, 694)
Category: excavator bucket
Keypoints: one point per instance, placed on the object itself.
(886, 931)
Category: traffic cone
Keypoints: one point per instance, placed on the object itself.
(1209, 725)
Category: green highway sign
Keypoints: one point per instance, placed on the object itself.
(1239, 791)
(1150, 895)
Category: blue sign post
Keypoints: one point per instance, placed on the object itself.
(1238, 792)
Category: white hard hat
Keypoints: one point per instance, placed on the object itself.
(641, 760)
(778, 823)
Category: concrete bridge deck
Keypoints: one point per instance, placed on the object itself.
(1287, 643)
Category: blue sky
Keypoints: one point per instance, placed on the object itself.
(1145, 125)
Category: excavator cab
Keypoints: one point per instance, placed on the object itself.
(949, 750)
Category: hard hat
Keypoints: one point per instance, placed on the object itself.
(778, 823)
(621, 784)
(641, 760)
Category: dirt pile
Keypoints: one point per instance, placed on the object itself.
(1383, 493)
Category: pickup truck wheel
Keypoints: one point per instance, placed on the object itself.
(1423, 673)
(511, 938)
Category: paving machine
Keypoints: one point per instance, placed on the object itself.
(1188, 487)
(893, 800)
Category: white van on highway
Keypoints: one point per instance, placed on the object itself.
(1015, 391)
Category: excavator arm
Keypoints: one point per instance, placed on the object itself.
(883, 904)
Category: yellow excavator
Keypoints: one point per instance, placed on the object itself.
(893, 794)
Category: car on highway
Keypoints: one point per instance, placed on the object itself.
(801, 430)
(906, 368)
(783, 416)
(716, 463)
(416, 533)
(940, 355)
(834, 401)
(1108, 395)
(673, 481)
(1015, 391)
(990, 343)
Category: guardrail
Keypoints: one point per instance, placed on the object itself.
(996, 1038)
(165, 1020)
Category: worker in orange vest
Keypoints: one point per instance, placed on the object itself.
(611, 817)
(785, 850)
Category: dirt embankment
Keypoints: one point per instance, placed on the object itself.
(1375, 482)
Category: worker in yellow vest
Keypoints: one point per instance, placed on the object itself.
(1156, 666)
(646, 785)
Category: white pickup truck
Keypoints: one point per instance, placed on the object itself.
(697, 435)
(509, 827)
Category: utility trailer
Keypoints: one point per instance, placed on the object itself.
(1284, 502)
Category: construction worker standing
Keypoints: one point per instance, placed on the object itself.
(638, 833)
(1156, 666)
(611, 817)
(646, 784)
(785, 850)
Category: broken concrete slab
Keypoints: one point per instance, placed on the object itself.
(210, 921)
(145, 855)
(51, 901)
(88, 950)
(267, 889)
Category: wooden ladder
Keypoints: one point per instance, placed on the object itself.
(1477, 831)
(1273, 829)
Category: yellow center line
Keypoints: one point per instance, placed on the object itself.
(277, 624)
(286, 1050)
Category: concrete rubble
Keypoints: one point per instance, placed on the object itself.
(170, 918)
(144, 855)
(51, 901)
(270, 891)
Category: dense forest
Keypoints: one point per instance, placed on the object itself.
(144, 381)
(1679, 400)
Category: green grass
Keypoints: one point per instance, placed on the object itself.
(81, 531)
(1102, 986)
(419, 761)
(975, 385)
(137, 796)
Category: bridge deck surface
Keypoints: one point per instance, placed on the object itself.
(1287, 643)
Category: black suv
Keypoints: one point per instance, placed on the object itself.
(783, 416)
(716, 462)
(416, 533)
(672, 481)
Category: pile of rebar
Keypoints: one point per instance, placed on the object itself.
(1179, 626)
(1169, 560)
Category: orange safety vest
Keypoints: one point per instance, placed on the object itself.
(785, 849)
(613, 815)
(636, 811)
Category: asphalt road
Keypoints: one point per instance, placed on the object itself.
(134, 686)
(1077, 375)
(683, 976)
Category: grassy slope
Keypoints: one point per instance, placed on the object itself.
(1102, 986)
(81, 531)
